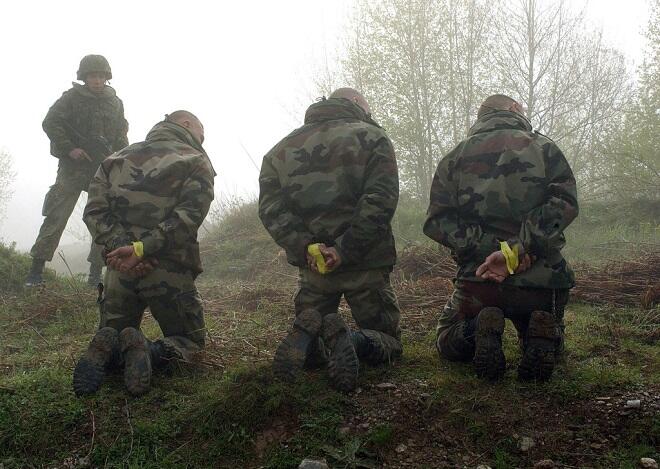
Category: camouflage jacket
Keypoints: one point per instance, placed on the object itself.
(158, 192)
(335, 181)
(80, 115)
(505, 182)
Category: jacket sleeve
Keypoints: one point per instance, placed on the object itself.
(193, 204)
(443, 219)
(54, 126)
(102, 222)
(542, 229)
(121, 139)
(287, 229)
(370, 223)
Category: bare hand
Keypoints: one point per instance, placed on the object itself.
(145, 267)
(331, 256)
(122, 259)
(78, 154)
(493, 268)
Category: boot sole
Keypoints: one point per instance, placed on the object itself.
(89, 372)
(489, 360)
(291, 354)
(137, 361)
(538, 360)
(343, 363)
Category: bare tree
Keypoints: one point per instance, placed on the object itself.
(6, 178)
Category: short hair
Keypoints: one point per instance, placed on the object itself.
(496, 102)
(352, 94)
(181, 115)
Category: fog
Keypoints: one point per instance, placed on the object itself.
(245, 68)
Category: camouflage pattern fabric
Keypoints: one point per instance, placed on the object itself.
(169, 292)
(158, 192)
(456, 324)
(372, 301)
(59, 203)
(505, 182)
(333, 181)
(78, 113)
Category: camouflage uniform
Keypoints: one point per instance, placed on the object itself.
(503, 183)
(90, 116)
(158, 192)
(335, 181)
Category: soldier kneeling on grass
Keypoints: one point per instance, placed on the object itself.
(500, 201)
(146, 204)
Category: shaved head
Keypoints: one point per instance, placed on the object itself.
(352, 95)
(499, 102)
(189, 121)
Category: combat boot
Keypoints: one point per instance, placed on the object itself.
(137, 361)
(489, 361)
(163, 352)
(538, 360)
(35, 276)
(375, 348)
(94, 277)
(90, 370)
(292, 352)
(343, 363)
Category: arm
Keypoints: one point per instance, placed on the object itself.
(542, 228)
(55, 128)
(375, 208)
(187, 216)
(121, 139)
(287, 229)
(443, 223)
(102, 223)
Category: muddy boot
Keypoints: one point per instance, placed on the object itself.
(35, 276)
(538, 360)
(343, 362)
(375, 348)
(293, 350)
(137, 361)
(317, 356)
(90, 369)
(163, 353)
(489, 361)
(94, 277)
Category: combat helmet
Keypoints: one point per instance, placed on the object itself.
(94, 63)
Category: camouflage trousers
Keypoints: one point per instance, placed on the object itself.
(456, 324)
(372, 301)
(170, 294)
(59, 203)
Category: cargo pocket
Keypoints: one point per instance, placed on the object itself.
(53, 199)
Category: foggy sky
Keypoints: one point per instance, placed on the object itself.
(243, 67)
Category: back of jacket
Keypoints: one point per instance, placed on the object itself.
(334, 181)
(158, 192)
(505, 183)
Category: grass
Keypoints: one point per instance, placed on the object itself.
(240, 417)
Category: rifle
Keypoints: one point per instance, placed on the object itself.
(97, 146)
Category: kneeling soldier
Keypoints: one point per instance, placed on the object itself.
(328, 192)
(145, 206)
(501, 201)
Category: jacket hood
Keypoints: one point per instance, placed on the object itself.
(497, 120)
(336, 108)
(108, 91)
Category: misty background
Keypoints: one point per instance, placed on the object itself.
(249, 70)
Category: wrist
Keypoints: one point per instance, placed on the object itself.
(138, 249)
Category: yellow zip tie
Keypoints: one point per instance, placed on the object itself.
(315, 252)
(510, 256)
(138, 248)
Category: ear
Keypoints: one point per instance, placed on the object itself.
(186, 124)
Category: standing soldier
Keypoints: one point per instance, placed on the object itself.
(500, 201)
(330, 189)
(84, 126)
(146, 204)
